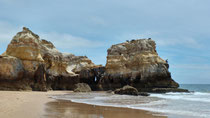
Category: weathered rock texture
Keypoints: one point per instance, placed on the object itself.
(127, 90)
(31, 63)
(82, 87)
(136, 63)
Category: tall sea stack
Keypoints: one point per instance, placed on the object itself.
(136, 63)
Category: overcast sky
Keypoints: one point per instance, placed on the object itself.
(181, 29)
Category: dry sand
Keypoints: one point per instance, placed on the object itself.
(18, 104)
(15, 104)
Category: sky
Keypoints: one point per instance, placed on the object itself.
(181, 29)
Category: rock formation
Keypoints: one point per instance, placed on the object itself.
(127, 90)
(31, 63)
(136, 63)
(82, 87)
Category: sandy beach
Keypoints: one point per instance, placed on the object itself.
(27, 104)
(15, 104)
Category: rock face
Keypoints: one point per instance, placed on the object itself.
(127, 90)
(25, 45)
(82, 87)
(31, 63)
(136, 63)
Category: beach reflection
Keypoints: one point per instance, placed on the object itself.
(67, 109)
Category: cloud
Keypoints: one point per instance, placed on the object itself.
(62, 41)
(98, 21)
(180, 41)
(165, 39)
(180, 28)
(7, 31)
(191, 73)
(68, 41)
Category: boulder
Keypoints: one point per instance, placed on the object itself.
(127, 90)
(135, 63)
(82, 87)
(11, 74)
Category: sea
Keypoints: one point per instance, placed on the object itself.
(195, 104)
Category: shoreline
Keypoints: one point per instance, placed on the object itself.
(66, 109)
(21, 104)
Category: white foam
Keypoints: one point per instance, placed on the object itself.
(197, 96)
(194, 105)
(152, 103)
(155, 110)
(179, 93)
(176, 112)
(199, 93)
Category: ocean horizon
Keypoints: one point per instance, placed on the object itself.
(196, 87)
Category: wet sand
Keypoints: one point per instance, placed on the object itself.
(67, 109)
(17, 104)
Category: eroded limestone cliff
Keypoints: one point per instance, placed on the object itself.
(30, 63)
(21, 65)
(136, 63)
